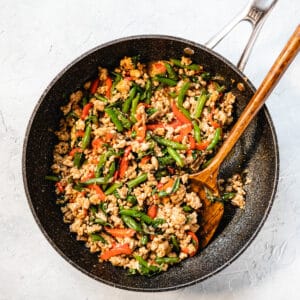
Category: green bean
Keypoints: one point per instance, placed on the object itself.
(145, 268)
(111, 171)
(131, 223)
(137, 214)
(125, 122)
(78, 187)
(197, 131)
(200, 104)
(150, 111)
(185, 112)
(228, 196)
(84, 101)
(92, 119)
(131, 199)
(102, 222)
(138, 180)
(134, 105)
(133, 134)
(172, 74)
(165, 160)
(206, 76)
(167, 260)
(99, 180)
(165, 80)
(178, 63)
(101, 98)
(78, 159)
(157, 221)
(116, 80)
(144, 239)
(87, 137)
(175, 185)
(103, 207)
(93, 209)
(112, 188)
(179, 161)
(127, 104)
(114, 118)
(215, 139)
(52, 178)
(173, 94)
(98, 238)
(102, 161)
(148, 93)
(175, 243)
(187, 208)
(182, 93)
(169, 143)
(206, 163)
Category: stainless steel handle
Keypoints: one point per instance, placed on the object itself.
(256, 13)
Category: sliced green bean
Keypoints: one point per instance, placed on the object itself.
(200, 104)
(127, 104)
(78, 159)
(169, 143)
(187, 208)
(137, 214)
(131, 223)
(112, 188)
(206, 76)
(178, 63)
(175, 185)
(98, 238)
(87, 137)
(52, 178)
(197, 131)
(114, 118)
(167, 260)
(215, 139)
(102, 222)
(175, 243)
(134, 105)
(125, 122)
(144, 239)
(182, 93)
(145, 268)
(131, 199)
(165, 80)
(179, 161)
(228, 196)
(138, 180)
(165, 160)
(172, 74)
(99, 180)
(148, 91)
(101, 98)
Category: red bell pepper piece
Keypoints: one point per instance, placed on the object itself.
(116, 250)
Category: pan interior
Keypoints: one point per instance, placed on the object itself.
(257, 151)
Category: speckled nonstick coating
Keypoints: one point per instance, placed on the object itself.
(257, 151)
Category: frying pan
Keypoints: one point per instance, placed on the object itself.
(257, 151)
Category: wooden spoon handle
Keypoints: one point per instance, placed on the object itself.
(279, 67)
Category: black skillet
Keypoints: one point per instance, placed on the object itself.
(257, 151)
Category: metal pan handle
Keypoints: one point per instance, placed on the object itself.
(256, 13)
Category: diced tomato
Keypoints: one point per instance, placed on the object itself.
(97, 143)
(145, 159)
(152, 211)
(192, 142)
(202, 146)
(98, 191)
(79, 133)
(85, 110)
(60, 187)
(108, 83)
(94, 86)
(74, 150)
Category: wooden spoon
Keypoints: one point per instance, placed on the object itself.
(212, 212)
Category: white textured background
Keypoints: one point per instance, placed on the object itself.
(39, 38)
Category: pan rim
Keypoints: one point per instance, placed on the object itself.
(40, 101)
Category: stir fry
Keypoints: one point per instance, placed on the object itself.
(127, 142)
